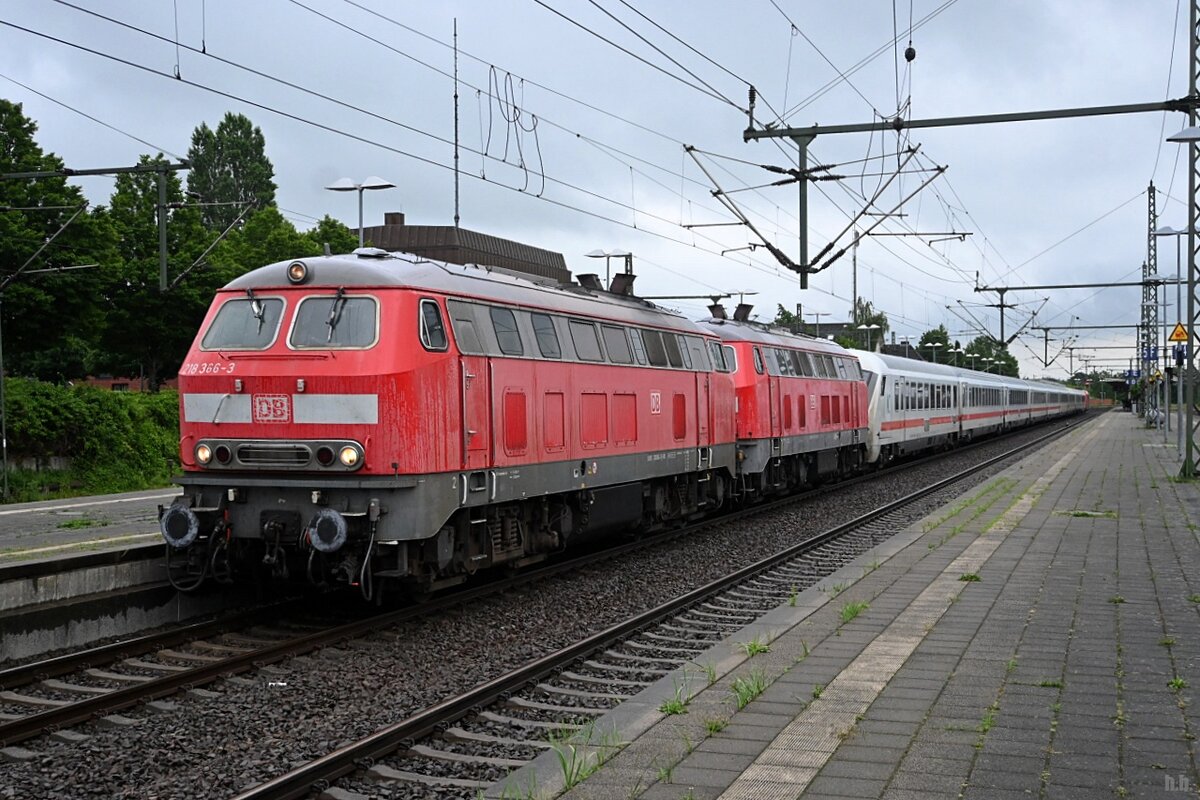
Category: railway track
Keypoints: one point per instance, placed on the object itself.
(469, 741)
(54, 694)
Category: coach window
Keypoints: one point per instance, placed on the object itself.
(639, 347)
(335, 321)
(507, 335)
(671, 342)
(587, 346)
(616, 344)
(244, 324)
(433, 332)
(656, 352)
(547, 337)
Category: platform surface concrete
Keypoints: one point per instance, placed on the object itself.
(1038, 637)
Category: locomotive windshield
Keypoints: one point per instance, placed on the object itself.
(248, 323)
(335, 321)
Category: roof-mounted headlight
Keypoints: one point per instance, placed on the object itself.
(297, 272)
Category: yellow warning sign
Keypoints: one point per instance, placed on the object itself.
(1180, 333)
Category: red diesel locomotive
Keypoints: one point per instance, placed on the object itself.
(378, 415)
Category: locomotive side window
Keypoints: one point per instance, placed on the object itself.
(718, 356)
(758, 362)
(616, 344)
(805, 363)
(547, 337)
(587, 346)
(639, 347)
(700, 361)
(730, 358)
(672, 344)
(507, 335)
(462, 318)
(433, 332)
(244, 324)
(656, 351)
(337, 321)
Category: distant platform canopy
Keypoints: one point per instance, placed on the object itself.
(462, 246)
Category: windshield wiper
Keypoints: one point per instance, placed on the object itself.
(256, 308)
(335, 312)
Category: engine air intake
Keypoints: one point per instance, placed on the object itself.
(278, 455)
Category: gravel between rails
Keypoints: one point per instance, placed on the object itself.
(262, 725)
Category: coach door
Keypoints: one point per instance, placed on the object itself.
(476, 412)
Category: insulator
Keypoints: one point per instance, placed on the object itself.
(910, 53)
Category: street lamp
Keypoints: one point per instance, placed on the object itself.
(868, 328)
(987, 363)
(347, 185)
(972, 356)
(934, 346)
(608, 254)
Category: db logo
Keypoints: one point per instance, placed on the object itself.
(272, 408)
(656, 402)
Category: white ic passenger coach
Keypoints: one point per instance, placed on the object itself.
(916, 405)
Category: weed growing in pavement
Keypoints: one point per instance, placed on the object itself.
(970, 577)
(746, 688)
(792, 595)
(1193, 598)
(869, 568)
(817, 691)
(1011, 665)
(715, 725)
(754, 646)
(710, 671)
(575, 765)
(1116, 599)
(1167, 641)
(1050, 683)
(676, 704)
(853, 609)
(664, 773)
(835, 589)
(1119, 717)
(1177, 684)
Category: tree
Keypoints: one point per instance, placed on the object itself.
(1003, 362)
(230, 166)
(51, 321)
(865, 314)
(149, 331)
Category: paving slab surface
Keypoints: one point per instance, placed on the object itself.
(1038, 637)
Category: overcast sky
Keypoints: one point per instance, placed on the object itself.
(593, 156)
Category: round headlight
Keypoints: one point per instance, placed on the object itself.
(204, 453)
(349, 456)
(297, 271)
(223, 454)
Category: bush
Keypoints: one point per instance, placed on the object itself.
(116, 441)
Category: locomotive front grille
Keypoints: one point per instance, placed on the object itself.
(274, 455)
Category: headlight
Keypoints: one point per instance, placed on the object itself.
(349, 456)
(203, 453)
(297, 271)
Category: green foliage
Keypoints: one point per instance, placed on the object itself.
(116, 441)
(230, 166)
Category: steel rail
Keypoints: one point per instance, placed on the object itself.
(322, 771)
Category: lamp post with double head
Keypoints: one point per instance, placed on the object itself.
(347, 185)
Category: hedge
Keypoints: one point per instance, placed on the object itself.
(115, 441)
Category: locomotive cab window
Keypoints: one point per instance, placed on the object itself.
(547, 337)
(433, 332)
(335, 321)
(656, 351)
(249, 323)
(639, 347)
(672, 344)
(507, 335)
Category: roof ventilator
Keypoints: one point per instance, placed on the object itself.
(742, 312)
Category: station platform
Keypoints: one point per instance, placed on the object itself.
(70, 526)
(1039, 637)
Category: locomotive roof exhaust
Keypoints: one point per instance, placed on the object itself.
(718, 311)
(590, 280)
(742, 312)
(622, 283)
